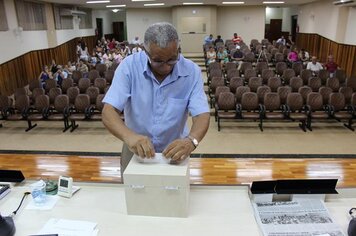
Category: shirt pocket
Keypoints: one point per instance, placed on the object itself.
(176, 109)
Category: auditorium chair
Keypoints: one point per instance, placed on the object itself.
(297, 67)
(214, 73)
(249, 57)
(283, 93)
(72, 93)
(76, 76)
(83, 85)
(325, 93)
(272, 108)
(36, 92)
(287, 75)
(109, 76)
(66, 84)
(295, 83)
(304, 91)
(266, 74)
(278, 57)
(249, 73)
(323, 75)
(50, 83)
(93, 93)
(254, 83)
(314, 83)
(315, 109)
(5, 104)
(114, 65)
(215, 82)
(260, 66)
(19, 92)
(100, 83)
(305, 75)
(249, 108)
(213, 66)
(80, 111)
(244, 66)
(93, 74)
(341, 75)
(294, 109)
(38, 112)
(99, 105)
(351, 82)
(339, 111)
(347, 92)
(280, 68)
(60, 111)
(334, 84)
(274, 83)
(261, 91)
(235, 82)
(218, 90)
(232, 73)
(229, 65)
(240, 91)
(20, 110)
(101, 68)
(36, 83)
(53, 93)
(225, 107)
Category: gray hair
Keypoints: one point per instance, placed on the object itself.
(162, 34)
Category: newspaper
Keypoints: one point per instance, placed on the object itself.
(307, 217)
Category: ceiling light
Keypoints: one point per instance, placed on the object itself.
(233, 2)
(143, 0)
(98, 1)
(115, 10)
(116, 6)
(153, 4)
(193, 3)
(275, 2)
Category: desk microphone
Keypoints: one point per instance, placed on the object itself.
(7, 226)
(352, 225)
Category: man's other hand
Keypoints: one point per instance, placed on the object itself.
(179, 150)
(141, 146)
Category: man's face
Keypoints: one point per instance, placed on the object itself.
(162, 60)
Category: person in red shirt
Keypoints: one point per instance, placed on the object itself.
(331, 65)
(236, 39)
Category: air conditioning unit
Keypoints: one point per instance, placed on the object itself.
(342, 3)
(70, 12)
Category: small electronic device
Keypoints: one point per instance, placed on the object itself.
(65, 185)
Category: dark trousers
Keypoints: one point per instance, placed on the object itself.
(126, 156)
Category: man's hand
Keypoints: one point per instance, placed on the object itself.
(141, 146)
(179, 150)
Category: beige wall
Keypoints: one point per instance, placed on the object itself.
(288, 12)
(273, 13)
(191, 19)
(350, 34)
(139, 19)
(249, 22)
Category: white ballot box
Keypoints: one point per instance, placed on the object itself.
(157, 189)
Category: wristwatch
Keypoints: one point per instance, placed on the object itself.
(194, 141)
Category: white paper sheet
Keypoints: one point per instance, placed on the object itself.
(159, 158)
(64, 227)
(47, 205)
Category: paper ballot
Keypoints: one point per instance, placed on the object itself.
(64, 227)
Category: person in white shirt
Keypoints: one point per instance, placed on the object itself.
(314, 66)
(136, 40)
(281, 40)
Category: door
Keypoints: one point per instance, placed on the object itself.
(118, 29)
(275, 29)
(99, 27)
(294, 27)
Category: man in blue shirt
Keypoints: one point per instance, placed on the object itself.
(157, 88)
(209, 39)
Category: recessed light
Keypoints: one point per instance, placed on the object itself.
(193, 3)
(274, 2)
(116, 6)
(115, 10)
(98, 1)
(153, 4)
(143, 0)
(233, 3)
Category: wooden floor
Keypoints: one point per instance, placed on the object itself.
(202, 170)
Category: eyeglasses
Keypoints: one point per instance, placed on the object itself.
(154, 63)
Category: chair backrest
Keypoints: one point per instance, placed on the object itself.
(347, 91)
(351, 82)
(22, 102)
(304, 91)
(314, 83)
(36, 83)
(53, 93)
(323, 75)
(266, 74)
(295, 101)
(76, 76)
(232, 73)
(99, 105)
(315, 101)
(216, 82)
(100, 83)
(83, 85)
(333, 83)
(353, 99)
(41, 103)
(287, 75)
(93, 74)
(283, 93)
(101, 68)
(5, 102)
(249, 101)
(261, 91)
(279, 57)
(50, 83)
(215, 73)
(295, 83)
(244, 66)
(36, 92)
(235, 82)
(226, 101)
(19, 92)
(337, 100)
(341, 75)
(72, 93)
(61, 103)
(325, 93)
(66, 84)
(272, 101)
(229, 66)
(274, 83)
(260, 66)
(109, 75)
(305, 75)
(219, 90)
(249, 57)
(254, 83)
(240, 91)
(214, 65)
(280, 67)
(82, 102)
(249, 73)
(297, 67)
(93, 93)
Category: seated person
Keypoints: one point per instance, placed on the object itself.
(236, 39)
(136, 40)
(45, 74)
(237, 57)
(314, 66)
(218, 40)
(81, 66)
(281, 41)
(209, 40)
(222, 55)
(60, 75)
(137, 48)
(331, 65)
(210, 55)
(304, 56)
(293, 56)
(289, 42)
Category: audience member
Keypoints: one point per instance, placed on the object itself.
(281, 41)
(210, 55)
(112, 44)
(314, 66)
(331, 65)
(83, 52)
(218, 40)
(236, 39)
(60, 75)
(222, 55)
(81, 66)
(289, 41)
(293, 56)
(136, 40)
(45, 74)
(209, 40)
(53, 67)
(238, 57)
(304, 56)
(136, 49)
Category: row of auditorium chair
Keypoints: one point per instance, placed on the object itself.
(304, 106)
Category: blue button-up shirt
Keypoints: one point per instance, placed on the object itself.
(157, 110)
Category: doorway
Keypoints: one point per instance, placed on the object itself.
(99, 27)
(118, 29)
(273, 30)
(294, 26)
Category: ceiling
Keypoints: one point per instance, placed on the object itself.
(170, 3)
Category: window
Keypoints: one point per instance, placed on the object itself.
(3, 20)
(31, 15)
(85, 20)
(63, 19)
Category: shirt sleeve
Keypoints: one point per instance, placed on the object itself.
(198, 102)
(120, 89)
